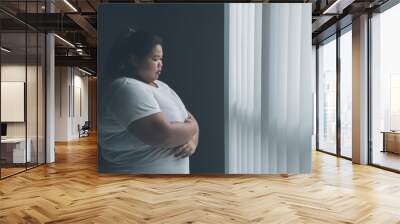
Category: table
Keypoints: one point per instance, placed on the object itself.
(391, 141)
(13, 150)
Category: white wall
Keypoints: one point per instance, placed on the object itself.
(33, 127)
(13, 72)
(79, 117)
(70, 83)
(62, 82)
(16, 72)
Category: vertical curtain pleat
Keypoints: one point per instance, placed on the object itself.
(270, 98)
(306, 105)
(242, 96)
(233, 87)
(239, 91)
(257, 88)
(293, 84)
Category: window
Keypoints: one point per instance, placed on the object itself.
(327, 96)
(385, 88)
(346, 93)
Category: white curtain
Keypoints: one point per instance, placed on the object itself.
(269, 110)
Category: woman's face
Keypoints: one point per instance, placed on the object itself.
(150, 67)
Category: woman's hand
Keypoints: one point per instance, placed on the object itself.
(189, 148)
(185, 150)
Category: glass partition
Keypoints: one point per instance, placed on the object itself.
(22, 91)
(327, 96)
(14, 153)
(32, 95)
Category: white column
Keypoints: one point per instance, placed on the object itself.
(360, 90)
(50, 93)
(50, 107)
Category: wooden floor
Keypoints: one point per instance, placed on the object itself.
(10, 171)
(71, 191)
(387, 159)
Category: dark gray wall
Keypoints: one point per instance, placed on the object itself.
(193, 63)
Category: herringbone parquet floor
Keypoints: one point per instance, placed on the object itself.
(71, 191)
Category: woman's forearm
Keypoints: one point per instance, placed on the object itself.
(156, 130)
(195, 138)
(180, 133)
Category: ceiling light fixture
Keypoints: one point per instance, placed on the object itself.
(64, 40)
(5, 50)
(337, 7)
(84, 71)
(80, 51)
(70, 5)
(333, 6)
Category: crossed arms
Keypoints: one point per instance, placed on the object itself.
(182, 137)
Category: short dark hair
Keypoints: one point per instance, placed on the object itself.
(134, 43)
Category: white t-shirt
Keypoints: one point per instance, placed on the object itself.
(128, 100)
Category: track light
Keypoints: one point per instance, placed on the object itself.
(65, 41)
(5, 50)
(70, 5)
(84, 71)
(337, 7)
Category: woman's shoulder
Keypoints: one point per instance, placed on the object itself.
(126, 87)
(126, 82)
(162, 84)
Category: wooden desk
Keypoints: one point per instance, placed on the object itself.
(13, 150)
(391, 141)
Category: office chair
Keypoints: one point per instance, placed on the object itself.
(84, 130)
